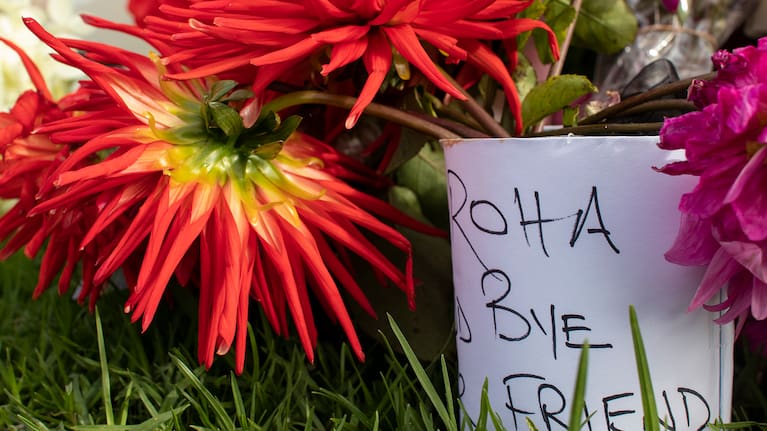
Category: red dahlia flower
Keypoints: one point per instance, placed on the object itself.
(237, 211)
(724, 219)
(27, 161)
(278, 35)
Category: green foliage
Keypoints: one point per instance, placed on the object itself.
(606, 26)
(425, 175)
(558, 16)
(553, 95)
(643, 371)
(63, 368)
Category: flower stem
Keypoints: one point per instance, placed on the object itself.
(659, 105)
(602, 129)
(478, 112)
(381, 111)
(655, 93)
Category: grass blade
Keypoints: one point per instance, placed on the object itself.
(239, 405)
(448, 390)
(150, 424)
(223, 418)
(422, 377)
(579, 393)
(105, 381)
(643, 371)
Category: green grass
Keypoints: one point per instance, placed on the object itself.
(63, 368)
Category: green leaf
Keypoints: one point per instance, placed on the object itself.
(570, 116)
(530, 425)
(553, 95)
(105, 381)
(558, 17)
(262, 143)
(220, 88)
(238, 95)
(524, 76)
(425, 174)
(579, 393)
(158, 421)
(226, 118)
(606, 26)
(223, 417)
(643, 370)
(410, 143)
(423, 378)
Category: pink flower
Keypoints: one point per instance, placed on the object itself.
(671, 5)
(724, 219)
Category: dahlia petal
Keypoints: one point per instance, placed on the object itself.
(299, 274)
(326, 10)
(515, 27)
(344, 53)
(229, 249)
(751, 256)
(502, 8)
(135, 95)
(443, 42)
(482, 57)
(283, 271)
(405, 39)
(181, 235)
(120, 202)
(53, 260)
(136, 159)
(435, 11)
(387, 211)
(32, 70)
(296, 51)
(677, 130)
(68, 267)
(261, 291)
(347, 33)
(206, 340)
(694, 243)
(392, 12)
(740, 109)
(738, 299)
(340, 272)
(759, 300)
(747, 198)
(463, 29)
(287, 25)
(377, 61)
(169, 205)
(708, 196)
(306, 246)
(721, 269)
(345, 233)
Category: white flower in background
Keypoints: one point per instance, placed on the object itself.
(59, 18)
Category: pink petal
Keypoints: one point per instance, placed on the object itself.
(721, 269)
(751, 256)
(694, 244)
(748, 198)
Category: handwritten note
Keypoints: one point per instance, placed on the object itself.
(553, 239)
